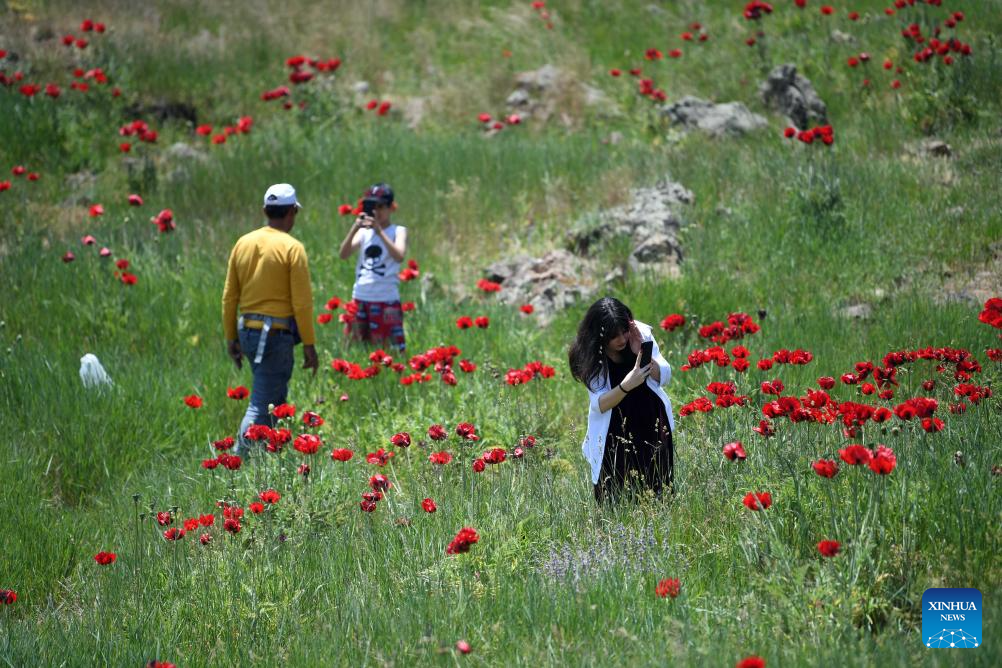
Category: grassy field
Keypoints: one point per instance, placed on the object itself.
(789, 234)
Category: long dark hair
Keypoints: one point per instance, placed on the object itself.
(606, 319)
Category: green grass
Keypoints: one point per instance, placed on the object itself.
(84, 470)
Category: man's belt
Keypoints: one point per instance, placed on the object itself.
(268, 321)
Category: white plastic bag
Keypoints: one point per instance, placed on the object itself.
(92, 373)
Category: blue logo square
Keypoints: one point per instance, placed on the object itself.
(951, 618)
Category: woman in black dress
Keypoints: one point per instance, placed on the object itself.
(629, 439)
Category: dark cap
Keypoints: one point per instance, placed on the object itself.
(380, 193)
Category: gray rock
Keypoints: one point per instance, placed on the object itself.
(930, 147)
(550, 283)
(181, 152)
(519, 99)
(562, 277)
(650, 221)
(542, 80)
(360, 87)
(543, 93)
(858, 311)
(793, 95)
(718, 120)
(840, 37)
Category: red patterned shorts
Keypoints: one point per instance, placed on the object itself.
(376, 322)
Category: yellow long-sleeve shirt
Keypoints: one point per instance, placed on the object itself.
(268, 273)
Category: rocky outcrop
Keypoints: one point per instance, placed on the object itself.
(793, 95)
(718, 120)
(649, 221)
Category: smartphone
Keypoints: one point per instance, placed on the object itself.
(646, 351)
(368, 206)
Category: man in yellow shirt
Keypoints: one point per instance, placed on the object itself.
(268, 278)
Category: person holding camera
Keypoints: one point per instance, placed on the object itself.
(630, 422)
(381, 245)
(268, 279)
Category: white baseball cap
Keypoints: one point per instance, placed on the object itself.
(281, 194)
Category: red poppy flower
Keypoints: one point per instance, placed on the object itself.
(463, 540)
(437, 432)
(174, 533)
(379, 457)
(479, 465)
(855, 454)
(463, 647)
(751, 662)
(488, 286)
(308, 444)
(668, 587)
(764, 364)
(483, 322)
(231, 462)
(324, 318)
(672, 322)
(932, 425)
(826, 468)
(494, 456)
(232, 525)
(379, 482)
(484, 117)
(8, 596)
(883, 460)
(270, 496)
(190, 524)
(757, 500)
(237, 393)
(164, 221)
(773, 387)
(653, 54)
(284, 411)
(429, 506)
(384, 108)
(210, 464)
(614, 72)
(193, 401)
(128, 279)
(467, 431)
(96, 210)
(343, 454)
(675, 53)
(205, 539)
(256, 507)
(124, 147)
(464, 322)
(829, 548)
(401, 439)
(311, 419)
(206, 520)
(135, 200)
(827, 10)
(513, 119)
(765, 429)
(105, 558)
(734, 451)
